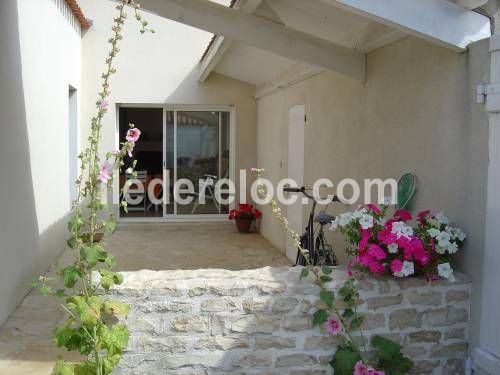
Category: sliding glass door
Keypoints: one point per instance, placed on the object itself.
(195, 152)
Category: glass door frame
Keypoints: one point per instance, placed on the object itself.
(174, 217)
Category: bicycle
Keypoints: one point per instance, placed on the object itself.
(321, 253)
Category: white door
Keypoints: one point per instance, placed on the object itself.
(296, 119)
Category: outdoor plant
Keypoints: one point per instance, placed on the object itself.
(93, 326)
(430, 245)
(244, 216)
(392, 245)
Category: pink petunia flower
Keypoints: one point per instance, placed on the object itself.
(422, 215)
(105, 172)
(402, 215)
(376, 252)
(396, 266)
(133, 135)
(373, 208)
(333, 325)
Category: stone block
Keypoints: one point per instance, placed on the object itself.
(270, 342)
(446, 316)
(189, 323)
(256, 323)
(428, 298)
(378, 302)
(298, 323)
(424, 336)
(297, 359)
(405, 318)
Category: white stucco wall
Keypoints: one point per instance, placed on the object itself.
(416, 112)
(40, 58)
(161, 68)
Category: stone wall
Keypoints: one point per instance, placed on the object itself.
(259, 322)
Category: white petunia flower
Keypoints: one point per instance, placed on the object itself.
(393, 248)
(366, 221)
(445, 271)
(359, 213)
(441, 218)
(408, 269)
(452, 247)
(443, 237)
(345, 219)
(400, 229)
(433, 232)
(456, 234)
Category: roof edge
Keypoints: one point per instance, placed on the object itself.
(78, 13)
(212, 41)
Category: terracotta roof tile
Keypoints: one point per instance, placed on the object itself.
(77, 11)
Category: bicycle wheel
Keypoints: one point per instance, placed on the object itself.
(326, 255)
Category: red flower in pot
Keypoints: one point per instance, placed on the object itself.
(244, 216)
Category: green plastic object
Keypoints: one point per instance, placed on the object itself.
(407, 185)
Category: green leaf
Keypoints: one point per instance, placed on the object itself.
(356, 323)
(325, 279)
(115, 308)
(391, 360)
(87, 309)
(345, 291)
(110, 278)
(114, 339)
(75, 223)
(110, 226)
(344, 360)
(320, 317)
(63, 368)
(304, 273)
(110, 261)
(348, 313)
(326, 270)
(71, 242)
(93, 254)
(45, 290)
(70, 276)
(327, 297)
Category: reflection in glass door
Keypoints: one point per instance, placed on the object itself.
(201, 149)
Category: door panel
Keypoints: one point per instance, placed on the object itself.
(296, 126)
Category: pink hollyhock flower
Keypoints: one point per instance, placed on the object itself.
(373, 208)
(333, 325)
(359, 368)
(396, 266)
(402, 215)
(105, 172)
(133, 135)
(104, 104)
(115, 152)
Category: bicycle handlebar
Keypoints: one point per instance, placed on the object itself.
(302, 190)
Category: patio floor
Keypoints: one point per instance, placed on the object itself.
(26, 343)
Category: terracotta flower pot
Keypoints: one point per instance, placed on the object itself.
(243, 224)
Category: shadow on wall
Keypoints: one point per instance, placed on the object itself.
(19, 241)
(24, 251)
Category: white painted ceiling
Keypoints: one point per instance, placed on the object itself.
(256, 66)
